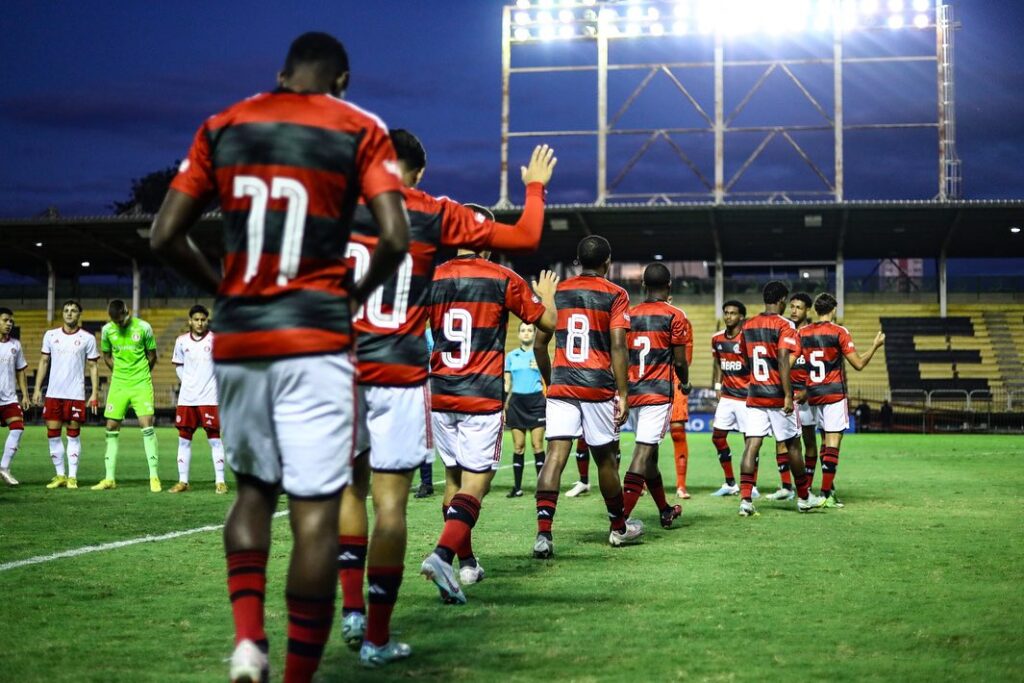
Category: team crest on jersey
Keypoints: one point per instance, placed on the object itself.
(736, 348)
(136, 337)
(392, 168)
(183, 166)
(14, 351)
(479, 217)
(626, 316)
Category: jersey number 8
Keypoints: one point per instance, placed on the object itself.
(577, 341)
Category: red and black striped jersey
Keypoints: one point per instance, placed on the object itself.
(391, 348)
(824, 346)
(798, 373)
(764, 336)
(656, 328)
(469, 305)
(589, 308)
(728, 353)
(287, 169)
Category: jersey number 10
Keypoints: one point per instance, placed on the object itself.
(373, 309)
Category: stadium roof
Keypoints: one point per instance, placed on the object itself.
(745, 232)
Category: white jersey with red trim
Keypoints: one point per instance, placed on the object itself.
(195, 356)
(68, 352)
(12, 359)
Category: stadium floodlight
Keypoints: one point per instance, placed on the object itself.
(589, 3)
(545, 3)
(632, 29)
(566, 16)
(680, 28)
(921, 21)
(1015, 230)
(635, 13)
(895, 5)
(544, 17)
(869, 6)
(682, 10)
(608, 15)
(522, 18)
(547, 32)
(566, 32)
(895, 21)
(920, 5)
(524, 4)
(522, 34)
(86, 264)
(653, 14)
(657, 29)
(39, 244)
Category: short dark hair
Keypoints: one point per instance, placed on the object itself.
(482, 210)
(523, 322)
(738, 304)
(824, 303)
(116, 307)
(320, 50)
(409, 149)
(775, 291)
(593, 251)
(656, 276)
(199, 308)
(71, 302)
(6, 311)
(802, 297)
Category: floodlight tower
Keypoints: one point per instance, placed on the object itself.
(531, 23)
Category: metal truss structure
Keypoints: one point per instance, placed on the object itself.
(589, 21)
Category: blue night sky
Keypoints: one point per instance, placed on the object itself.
(99, 93)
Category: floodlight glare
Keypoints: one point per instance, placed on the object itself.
(921, 21)
(635, 13)
(545, 3)
(682, 10)
(566, 32)
(522, 18)
(920, 5)
(653, 13)
(895, 21)
(566, 16)
(85, 264)
(657, 29)
(522, 34)
(544, 17)
(680, 28)
(611, 30)
(869, 6)
(525, 4)
(589, 3)
(608, 15)
(632, 29)
(1014, 230)
(895, 5)
(547, 32)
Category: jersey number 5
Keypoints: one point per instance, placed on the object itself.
(817, 373)
(294, 222)
(373, 309)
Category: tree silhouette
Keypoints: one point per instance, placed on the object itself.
(147, 193)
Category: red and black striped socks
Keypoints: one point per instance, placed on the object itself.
(829, 464)
(718, 438)
(616, 510)
(247, 583)
(351, 569)
(384, 583)
(547, 501)
(309, 627)
(747, 483)
(632, 487)
(782, 462)
(656, 487)
(460, 518)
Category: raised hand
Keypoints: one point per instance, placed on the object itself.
(545, 284)
(880, 339)
(542, 164)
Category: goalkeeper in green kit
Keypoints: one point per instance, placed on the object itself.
(129, 349)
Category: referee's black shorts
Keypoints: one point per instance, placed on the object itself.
(526, 411)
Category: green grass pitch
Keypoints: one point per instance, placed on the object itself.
(918, 578)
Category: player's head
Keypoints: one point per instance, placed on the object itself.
(825, 304)
(482, 213)
(316, 61)
(594, 253)
(71, 312)
(733, 313)
(6, 321)
(198, 320)
(118, 312)
(526, 333)
(775, 293)
(799, 306)
(657, 280)
(412, 158)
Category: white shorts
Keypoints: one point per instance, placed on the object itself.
(394, 426)
(290, 421)
(571, 419)
(808, 418)
(833, 417)
(651, 422)
(731, 416)
(468, 441)
(772, 422)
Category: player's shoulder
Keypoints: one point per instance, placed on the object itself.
(363, 115)
(183, 338)
(107, 328)
(143, 325)
(418, 200)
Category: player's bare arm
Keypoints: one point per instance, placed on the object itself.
(26, 399)
(682, 368)
(545, 286)
(716, 376)
(388, 209)
(94, 375)
(170, 241)
(858, 361)
(542, 355)
(525, 235)
(109, 360)
(44, 364)
(151, 357)
(785, 365)
(620, 368)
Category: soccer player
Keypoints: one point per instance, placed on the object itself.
(524, 405)
(12, 377)
(680, 416)
(129, 350)
(825, 344)
(769, 342)
(799, 306)
(392, 355)
(197, 398)
(658, 338)
(469, 306)
(287, 167)
(67, 351)
(730, 376)
(588, 390)
(582, 485)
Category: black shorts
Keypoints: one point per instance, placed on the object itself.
(526, 411)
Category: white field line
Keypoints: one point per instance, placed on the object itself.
(85, 550)
(40, 559)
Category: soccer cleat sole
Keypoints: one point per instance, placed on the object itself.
(451, 594)
(667, 519)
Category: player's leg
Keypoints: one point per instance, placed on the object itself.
(834, 420)
(681, 455)
(582, 485)
(143, 405)
(353, 539)
(54, 427)
(211, 425)
(518, 461)
(636, 474)
(118, 398)
(757, 426)
(386, 555)
(186, 423)
(726, 419)
(548, 483)
(810, 439)
(74, 449)
(785, 490)
(461, 515)
(602, 436)
(14, 418)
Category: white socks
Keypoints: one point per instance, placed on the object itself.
(184, 458)
(57, 454)
(217, 451)
(74, 449)
(11, 447)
